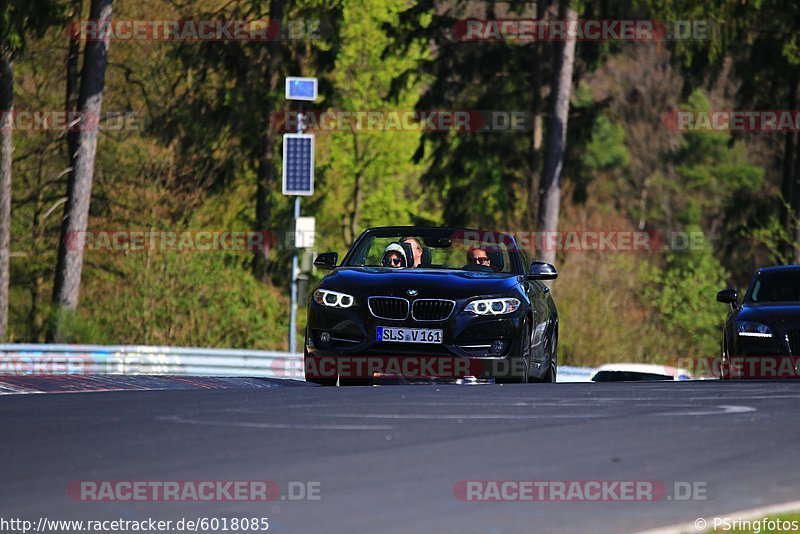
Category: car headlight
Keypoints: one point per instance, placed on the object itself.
(501, 306)
(333, 299)
(752, 329)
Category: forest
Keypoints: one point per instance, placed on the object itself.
(528, 130)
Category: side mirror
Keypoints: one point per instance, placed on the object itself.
(327, 260)
(542, 271)
(728, 296)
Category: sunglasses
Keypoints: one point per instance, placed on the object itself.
(479, 259)
(393, 261)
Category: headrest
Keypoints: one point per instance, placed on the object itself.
(496, 257)
(426, 256)
(409, 253)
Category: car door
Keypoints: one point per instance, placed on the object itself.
(538, 293)
(541, 319)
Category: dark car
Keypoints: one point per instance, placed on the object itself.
(761, 336)
(451, 303)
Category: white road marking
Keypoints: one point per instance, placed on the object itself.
(753, 513)
(463, 416)
(721, 410)
(291, 426)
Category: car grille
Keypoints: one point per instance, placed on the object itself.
(432, 309)
(388, 307)
(794, 342)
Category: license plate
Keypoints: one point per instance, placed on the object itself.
(409, 335)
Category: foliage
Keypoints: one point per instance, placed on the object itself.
(706, 163)
(21, 17)
(475, 168)
(368, 176)
(607, 147)
(602, 314)
(772, 235)
(186, 299)
(683, 291)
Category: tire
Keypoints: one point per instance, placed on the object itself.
(524, 356)
(321, 381)
(328, 382)
(724, 369)
(551, 375)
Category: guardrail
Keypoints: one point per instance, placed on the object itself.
(39, 359)
(36, 359)
(567, 373)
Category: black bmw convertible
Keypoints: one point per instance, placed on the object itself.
(439, 303)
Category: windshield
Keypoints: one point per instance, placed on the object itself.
(627, 376)
(467, 250)
(776, 286)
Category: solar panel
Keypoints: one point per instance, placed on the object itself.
(301, 88)
(298, 164)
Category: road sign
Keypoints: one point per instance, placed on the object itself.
(301, 88)
(298, 164)
(304, 232)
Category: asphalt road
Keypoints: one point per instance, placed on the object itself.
(388, 459)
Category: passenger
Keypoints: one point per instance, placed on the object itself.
(479, 256)
(415, 247)
(394, 256)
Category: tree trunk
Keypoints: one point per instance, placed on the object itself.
(793, 219)
(536, 122)
(790, 173)
(73, 55)
(556, 136)
(643, 202)
(6, 158)
(66, 289)
(266, 175)
(355, 213)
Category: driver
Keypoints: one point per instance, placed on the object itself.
(394, 256)
(478, 256)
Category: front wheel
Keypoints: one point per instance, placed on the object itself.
(328, 382)
(724, 367)
(551, 374)
(312, 372)
(519, 367)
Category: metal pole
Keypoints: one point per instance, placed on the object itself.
(293, 316)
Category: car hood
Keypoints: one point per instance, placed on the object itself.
(429, 283)
(771, 313)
